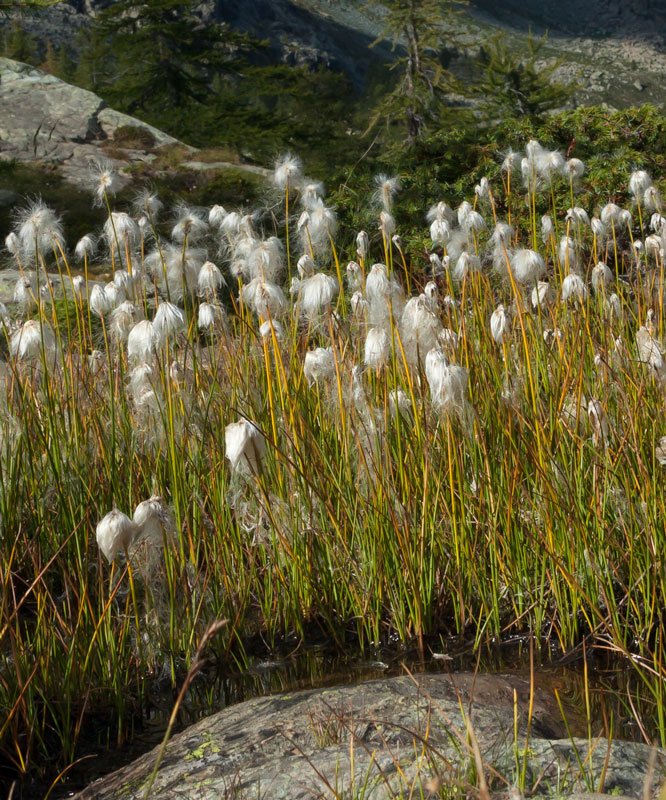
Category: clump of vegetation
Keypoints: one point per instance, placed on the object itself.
(134, 136)
(372, 413)
(292, 423)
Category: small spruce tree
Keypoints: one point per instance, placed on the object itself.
(155, 56)
(515, 84)
(19, 44)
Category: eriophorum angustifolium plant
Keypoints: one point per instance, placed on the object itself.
(472, 444)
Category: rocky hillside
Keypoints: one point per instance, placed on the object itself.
(615, 48)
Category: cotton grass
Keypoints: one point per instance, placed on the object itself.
(467, 445)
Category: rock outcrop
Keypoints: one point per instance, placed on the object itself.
(48, 121)
(400, 737)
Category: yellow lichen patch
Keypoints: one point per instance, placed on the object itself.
(207, 747)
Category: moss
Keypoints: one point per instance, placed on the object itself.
(134, 137)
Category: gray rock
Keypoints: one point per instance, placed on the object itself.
(382, 739)
(45, 120)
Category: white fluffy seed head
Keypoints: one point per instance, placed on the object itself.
(552, 164)
(169, 321)
(601, 276)
(125, 281)
(650, 351)
(385, 188)
(387, 224)
(12, 244)
(270, 328)
(230, 225)
(39, 230)
(474, 222)
(98, 301)
(154, 521)
(115, 295)
(210, 278)
(652, 199)
(399, 403)
(598, 422)
(85, 247)
(26, 342)
(466, 265)
(613, 307)
(216, 216)
(420, 327)
(448, 384)
(358, 303)
(639, 182)
(311, 192)
(115, 533)
(306, 266)
(189, 226)
(319, 364)
(377, 283)
(377, 348)
(141, 341)
(245, 446)
(660, 451)
(574, 168)
(624, 218)
(210, 315)
(599, 229)
(266, 259)
(440, 231)
(609, 214)
(500, 324)
(316, 293)
(568, 253)
(547, 228)
(542, 295)
(528, 266)
(578, 216)
(287, 172)
(658, 223)
(511, 161)
(121, 231)
(502, 235)
(265, 298)
(482, 189)
(123, 319)
(24, 295)
(573, 288)
(362, 244)
(441, 210)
